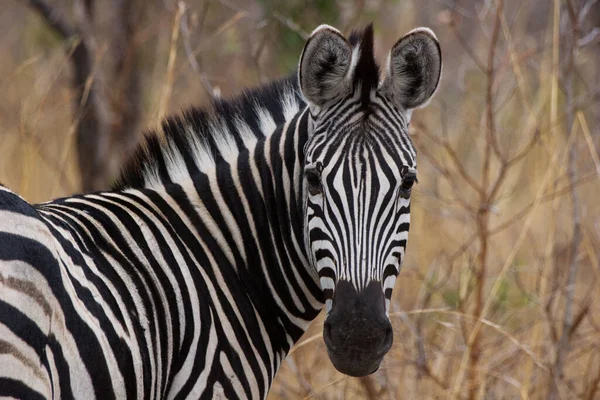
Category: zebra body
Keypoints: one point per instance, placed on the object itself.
(220, 242)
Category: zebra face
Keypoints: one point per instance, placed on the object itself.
(359, 168)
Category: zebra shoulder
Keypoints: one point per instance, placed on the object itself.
(24, 235)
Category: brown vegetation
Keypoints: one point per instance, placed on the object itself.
(499, 294)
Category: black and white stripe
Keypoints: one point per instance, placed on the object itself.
(196, 274)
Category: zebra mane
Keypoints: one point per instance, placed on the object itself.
(366, 72)
(198, 138)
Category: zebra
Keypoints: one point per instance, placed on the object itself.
(225, 235)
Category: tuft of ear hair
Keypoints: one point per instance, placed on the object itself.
(413, 69)
(324, 66)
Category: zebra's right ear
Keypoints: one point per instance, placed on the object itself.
(324, 67)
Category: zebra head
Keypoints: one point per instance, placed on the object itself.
(359, 168)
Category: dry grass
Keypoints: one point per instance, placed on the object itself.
(498, 295)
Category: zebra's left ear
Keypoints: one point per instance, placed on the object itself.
(413, 69)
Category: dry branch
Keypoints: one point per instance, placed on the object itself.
(91, 122)
(53, 18)
(99, 125)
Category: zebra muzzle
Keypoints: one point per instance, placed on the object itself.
(357, 331)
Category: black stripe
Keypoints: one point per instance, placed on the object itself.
(17, 389)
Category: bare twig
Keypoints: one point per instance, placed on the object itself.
(185, 33)
(168, 84)
(491, 145)
(563, 346)
(289, 23)
(53, 18)
(466, 46)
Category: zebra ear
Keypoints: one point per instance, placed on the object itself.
(324, 66)
(413, 70)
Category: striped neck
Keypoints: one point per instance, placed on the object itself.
(257, 204)
(277, 179)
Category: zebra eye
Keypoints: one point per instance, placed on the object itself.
(407, 184)
(313, 178)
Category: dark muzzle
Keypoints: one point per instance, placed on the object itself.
(357, 331)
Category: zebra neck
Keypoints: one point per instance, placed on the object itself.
(278, 181)
(253, 213)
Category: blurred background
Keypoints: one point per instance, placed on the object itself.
(499, 294)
